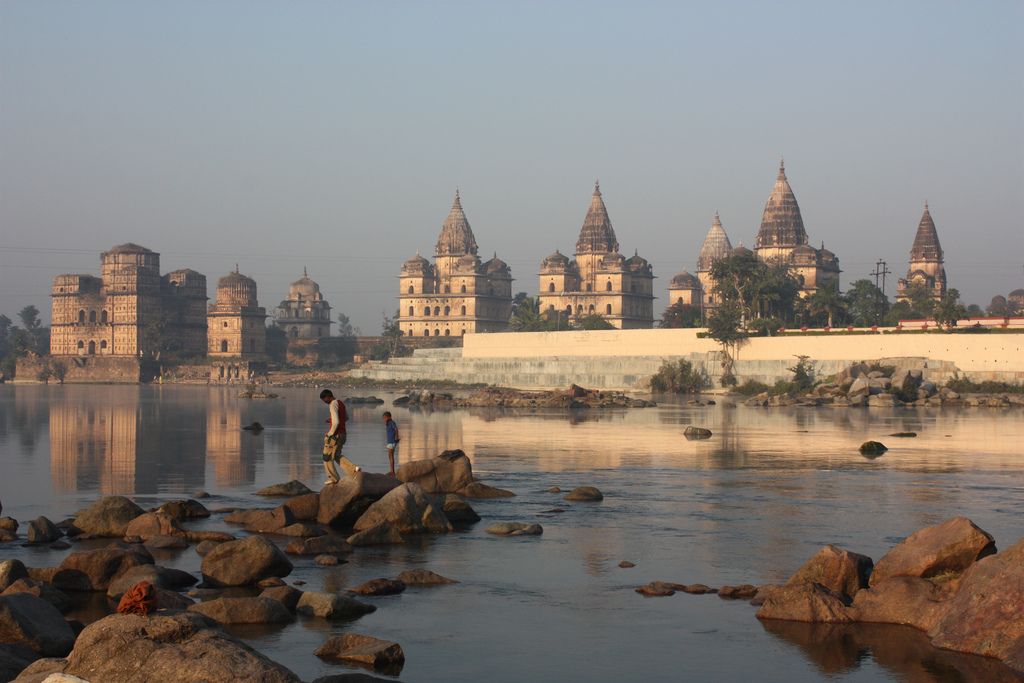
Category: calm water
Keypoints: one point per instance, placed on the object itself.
(749, 505)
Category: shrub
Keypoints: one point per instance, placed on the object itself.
(962, 385)
(727, 380)
(802, 380)
(906, 393)
(677, 378)
(752, 388)
(886, 369)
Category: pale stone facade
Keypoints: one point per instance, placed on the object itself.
(685, 289)
(600, 279)
(782, 239)
(458, 294)
(236, 320)
(130, 309)
(925, 261)
(304, 314)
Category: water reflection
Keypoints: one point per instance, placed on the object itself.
(901, 650)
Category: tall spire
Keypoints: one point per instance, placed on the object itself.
(926, 241)
(456, 236)
(597, 235)
(781, 225)
(716, 245)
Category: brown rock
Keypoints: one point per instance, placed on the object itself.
(384, 533)
(378, 654)
(331, 606)
(11, 571)
(244, 562)
(269, 521)
(343, 503)
(184, 509)
(448, 473)
(181, 646)
(319, 545)
(327, 560)
(286, 595)
(291, 488)
(94, 570)
(456, 509)
(28, 619)
(301, 530)
(168, 599)
(214, 536)
(950, 547)
(305, 507)
(422, 577)
(408, 509)
(379, 587)
(108, 516)
(150, 524)
(699, 589)
(657, 589)
(805, 602)
(584, 493)
(163, 542)
(836, 569)
(986, 616)
(907, 600)
(244, 611)
(42, 590)
(744, 592)
(160, 577)
(479, 490)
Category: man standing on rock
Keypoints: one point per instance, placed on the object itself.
(335, 439)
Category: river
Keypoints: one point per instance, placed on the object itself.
(748, 505)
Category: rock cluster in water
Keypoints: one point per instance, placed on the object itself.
(574, 398)
(858, 385)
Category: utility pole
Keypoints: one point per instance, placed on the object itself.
(880, 271)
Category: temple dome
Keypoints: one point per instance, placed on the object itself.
(417, 265)
(716, 245)
(557, 260)
(597, 235)
(130, 248)
(235, 288)
(469, 263)
(496, 266)
(304, 287)
(926, 241)
(781, 223)
(740, 250)
(685, 280)
(456, 236)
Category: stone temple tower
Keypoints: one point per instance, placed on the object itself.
(716, 245)
(925, 261)
(236, 320)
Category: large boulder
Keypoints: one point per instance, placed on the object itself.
(259, 610)
(408, 509)
(291, 488)
(379, 534)
(161, 577)
(94, 570)
(373, 652)
(42, 530)
(305, 507)
(57, 598)
(184, 509)
(950, 547)
(244, 562)
(177, 647)
(108, 516)
(448, 473)
(456, 509)
(837, 569)
(269, 521)
(331, 606)
(986, 616)
(14, 658)
(907, 600)
(342, 504)
(151, 524)
(11, 571)
(28, 619)
(805, 602)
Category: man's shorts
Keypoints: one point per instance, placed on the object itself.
(332, 446)
(392, 446)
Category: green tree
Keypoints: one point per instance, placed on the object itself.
(30, 318)
(949, 310)
(681, 315)
(156, 340)
(345, 328)
(594, 321)
(828, 301)
(392, 333)
(724, 326)
(866, 303)
(677, 378)
(761, 290)
(59, 370)
(526, 315)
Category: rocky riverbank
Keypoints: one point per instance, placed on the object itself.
(573, 398)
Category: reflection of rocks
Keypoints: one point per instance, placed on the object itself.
(943, 580)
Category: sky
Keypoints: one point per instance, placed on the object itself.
(332, 136)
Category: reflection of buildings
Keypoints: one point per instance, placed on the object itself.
(112, 441)
(231, 450)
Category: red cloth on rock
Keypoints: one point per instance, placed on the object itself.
(140, 599)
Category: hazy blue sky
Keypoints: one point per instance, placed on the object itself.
(332, 135)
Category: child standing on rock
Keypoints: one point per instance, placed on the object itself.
(391, 427)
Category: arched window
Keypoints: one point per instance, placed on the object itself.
(632, 287)
(463, 289)
(437, 310)
(608, 286)
(410, 289)
(81, 344)
(103, 317)
(437, 333)
(447, 289)
(294, 332)
(608, 309)
(92, 348)
(591, 309)
(426, 311)
(568, 309)
(579, 310)
(103, 345)
(551, 287)
(411, 312)
(551, 307)
(590, 287)
(225, 323)
(224, 346)
(447, 310)
(447, 332)
(426, 333)
(81, 316)
(680, 302)
(92, 316)
(463, 331)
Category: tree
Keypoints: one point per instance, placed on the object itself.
(594, 321)
(949, 310)
(827, 300)
(59, 370)
(680, 315)
(345, 328)
(526, 315)
(724, 327)
(30, 318)
(761, 290)
(392, 333)
(866, 303)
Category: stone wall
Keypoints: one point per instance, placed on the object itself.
(83, 369)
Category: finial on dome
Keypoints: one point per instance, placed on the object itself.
(926, 205)
(597, 188)
(782, 168)
(236, 267)
(303, 271)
